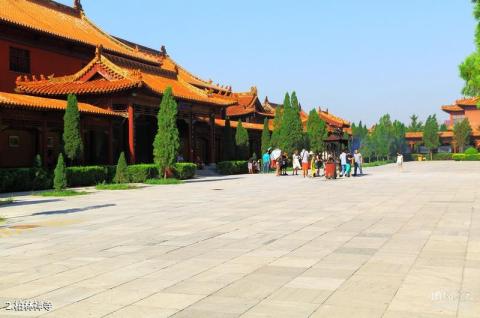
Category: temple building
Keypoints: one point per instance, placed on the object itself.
(49, 50)
(465, 108)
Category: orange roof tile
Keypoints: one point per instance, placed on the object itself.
(102, 75)
(467, 101)
(41, 103)
(64, 22)
(452, 108)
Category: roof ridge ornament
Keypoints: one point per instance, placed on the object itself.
(99, 52)
(77, 5)
(163, 50)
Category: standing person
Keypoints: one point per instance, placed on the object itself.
(266, 162)
(278, 166)
(358, 162)
(284, 164)
(296, 163)
(318, 163)
(348, 166)
(312, 165)
(343, 162)
(304, 156)
(399, 160)
(250, 166)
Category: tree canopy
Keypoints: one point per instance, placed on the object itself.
(291, 129)
(316, 131)
(415, 124)
(265, 136)
(72, 140)
(166, 143)
(431, 139)
(461, 134)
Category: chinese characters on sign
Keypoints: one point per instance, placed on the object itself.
(28, 305)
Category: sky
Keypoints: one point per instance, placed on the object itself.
(359, 59)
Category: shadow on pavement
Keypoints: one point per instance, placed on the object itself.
(68, 211)
(20, 203)
(209, 180)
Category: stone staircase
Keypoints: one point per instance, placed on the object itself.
(208, 171)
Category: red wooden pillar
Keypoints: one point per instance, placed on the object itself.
(110, 142)
(212, 138)
(131, 133)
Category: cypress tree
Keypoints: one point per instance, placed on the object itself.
(121, 171)
(277, 126)
(316, 131)
(294, 101)
(60, 175)
(228, 145)
(166, 143)
(241, 141)
(265, 136)
(461, 134)
(431, 140)
(291, 132)
(72, 140)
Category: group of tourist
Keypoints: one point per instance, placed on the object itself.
(311, 164)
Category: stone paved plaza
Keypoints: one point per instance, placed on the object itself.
(390, 244)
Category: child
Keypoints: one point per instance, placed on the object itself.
(250, 166)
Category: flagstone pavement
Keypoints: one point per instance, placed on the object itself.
(394, 243)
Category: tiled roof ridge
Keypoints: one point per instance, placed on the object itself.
(155, 70)
(35, 102)
(206, 83)
(58, 6)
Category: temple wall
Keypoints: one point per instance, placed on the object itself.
(42, 61)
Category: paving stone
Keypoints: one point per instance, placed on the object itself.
(392, 243)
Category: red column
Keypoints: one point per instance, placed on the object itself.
(131, 134)
(212, 138)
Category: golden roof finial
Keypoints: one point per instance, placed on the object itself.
(77, 5)
(163, 50)
(99, 52)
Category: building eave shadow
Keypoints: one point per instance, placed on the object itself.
(75, 210)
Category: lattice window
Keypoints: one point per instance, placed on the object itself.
(19, 60)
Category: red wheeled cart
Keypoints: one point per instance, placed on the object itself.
(330, 170)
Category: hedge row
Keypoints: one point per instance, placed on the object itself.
(436, 156)
(232, 167)
(466, 157)
(27, 179)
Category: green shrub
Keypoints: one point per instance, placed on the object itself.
(185, 170)
(85, 176)
(41, 178)
(12, 180)
(232, 167)
(121, 172)
(466, 157)
(442, 156)
(140, 173)
(60, 175)
(471, 151)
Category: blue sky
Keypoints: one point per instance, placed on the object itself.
(359, 59)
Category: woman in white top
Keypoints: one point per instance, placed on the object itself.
(296, 163)
(399, 160)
